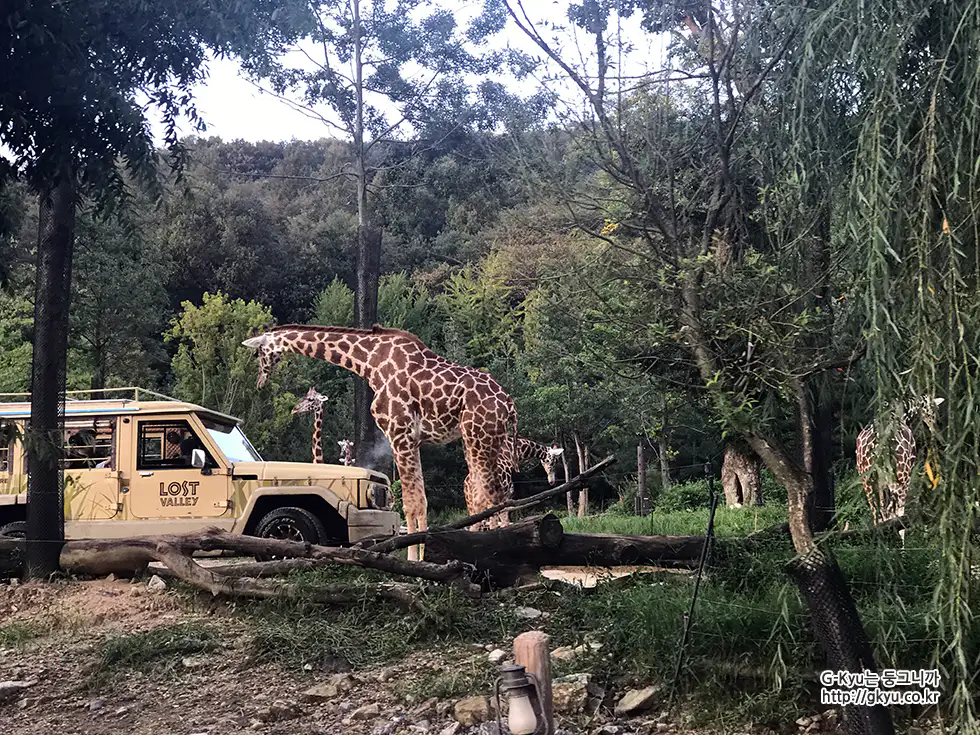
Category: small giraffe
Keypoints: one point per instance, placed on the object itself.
(548, 456)
(889, 500)
(314, 401)
(346, 449)
(419, 398)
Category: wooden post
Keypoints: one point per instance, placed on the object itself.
(531, 651)
(641, 473)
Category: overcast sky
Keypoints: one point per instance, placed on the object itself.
(233, 108)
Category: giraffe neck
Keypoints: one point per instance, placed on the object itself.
(318, 433)
(361, 351)
(527, 449)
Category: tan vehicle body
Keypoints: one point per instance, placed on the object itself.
(126, 477)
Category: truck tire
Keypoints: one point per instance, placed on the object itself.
(292, 524)
(17, 529)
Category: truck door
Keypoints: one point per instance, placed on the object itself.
(164, 484)
(91, 477)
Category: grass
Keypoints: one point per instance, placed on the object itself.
(156, 649)
(728, 522)
(16, 635)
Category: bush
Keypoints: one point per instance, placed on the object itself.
(685, 496)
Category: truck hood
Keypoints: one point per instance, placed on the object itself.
(285, 471)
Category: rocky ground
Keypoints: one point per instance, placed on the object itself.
(54, 678)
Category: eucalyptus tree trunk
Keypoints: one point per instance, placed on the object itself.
(582, 450)
(45, 509)
(664, 450)
(368, 265)
(569, 500)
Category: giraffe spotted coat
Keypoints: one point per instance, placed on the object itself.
(420, 398)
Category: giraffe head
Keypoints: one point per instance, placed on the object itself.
(923, 407)
(550, 462)
(270, 352)
(310, 401)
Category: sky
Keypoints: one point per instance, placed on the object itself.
(233, 108)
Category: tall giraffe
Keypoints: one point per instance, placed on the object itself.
(887, 501)
(314, 401)
(419, 398)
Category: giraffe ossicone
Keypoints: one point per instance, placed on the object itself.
(420, 398)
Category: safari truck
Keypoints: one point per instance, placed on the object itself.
(140, 463)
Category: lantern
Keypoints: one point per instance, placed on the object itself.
(525, 715)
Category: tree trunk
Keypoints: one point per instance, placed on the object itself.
(664, 450)
(97, 384)
(740, 477)
(569, 500)
(643, 504)
(583, 465)
(44, 442)
(366, 433)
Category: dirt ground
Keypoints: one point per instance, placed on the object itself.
(221, 692)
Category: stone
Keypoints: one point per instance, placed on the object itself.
(585, 679)
(528, 613)
(609, 730)
(452, 729)
(638, 700)
(96, 704)
(279, 711)
(12, 689)
(110, 577)
(156, 583)
(496, 656)
(567, 653)
(472, 710)
(569, 698)
(426, 707)
(365, 713)
(804, 722)
(387, 674)
(193, 662)
(321, 692)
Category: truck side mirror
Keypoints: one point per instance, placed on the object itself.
(198, 459)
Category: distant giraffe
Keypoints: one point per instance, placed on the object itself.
(526, 450)
(314, 401)
(346, 452)
(420, 398)
(887, 499)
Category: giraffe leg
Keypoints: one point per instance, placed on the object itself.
(413, 491)
(480, 481)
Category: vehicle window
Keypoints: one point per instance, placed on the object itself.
(6, 441)
(89, 444)
(168, 445)
(232, 441)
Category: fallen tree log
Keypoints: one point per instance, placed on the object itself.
(411, 539)
(507, 556)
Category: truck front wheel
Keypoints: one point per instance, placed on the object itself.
(292, 524)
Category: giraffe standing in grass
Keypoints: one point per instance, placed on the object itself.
(420, 398)
(887, 499)
(314, 401)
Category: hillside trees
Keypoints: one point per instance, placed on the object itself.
(371, 71)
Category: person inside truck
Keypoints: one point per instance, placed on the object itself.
(184, 447)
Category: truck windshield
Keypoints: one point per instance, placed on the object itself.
(232, 441)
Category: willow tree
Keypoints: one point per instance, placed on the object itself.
(907, 73)
(717, 218)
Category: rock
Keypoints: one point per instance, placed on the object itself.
(804, 722)
(496, 656)
(364, 713)
(387, 674)
(582, 678)
(426, 707)
(472, 710)
(321, 692)
(193, 662)
(488, 647)
(638, 700)
(567, 653)
(11, 689)
(528, 613)
(110, 577)
(156, 583)
(279, 711)
(452, 729)
(609, 730)
(96, 704)
(569, 698)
